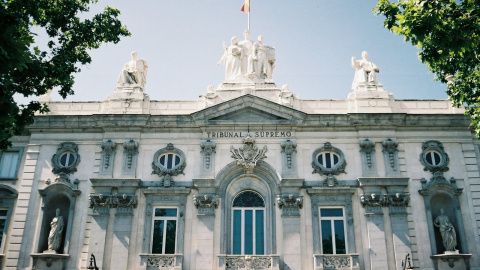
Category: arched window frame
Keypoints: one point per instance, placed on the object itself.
(239, 226)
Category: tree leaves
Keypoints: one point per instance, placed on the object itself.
(448, 34)
(27, 70)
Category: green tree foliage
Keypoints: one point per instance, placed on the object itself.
(27, 70)
(448, 35)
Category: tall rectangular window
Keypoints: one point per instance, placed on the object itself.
(332, 226)
(9, 164)
(164, 234)
(248, 231)
(3, 221)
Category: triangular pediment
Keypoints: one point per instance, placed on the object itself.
(249, 109)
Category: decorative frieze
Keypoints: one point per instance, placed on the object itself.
(161, 261)
(374, 200)
(248, 155)
(113, 201)
(208, 152)
(107, 157)
(290, 204)
(130, 152)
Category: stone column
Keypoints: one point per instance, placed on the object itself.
(206, 205)
(98, 233)
(121, 238)
(292, 247)
(375, 230)
(401, 238)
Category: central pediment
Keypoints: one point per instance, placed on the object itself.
(248, 109)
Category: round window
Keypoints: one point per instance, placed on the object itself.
(328, 159)
(169, 160)
(67, 159)
(433, 158)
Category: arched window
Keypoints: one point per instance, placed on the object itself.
(248, 226)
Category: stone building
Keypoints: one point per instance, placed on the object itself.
(247, 177)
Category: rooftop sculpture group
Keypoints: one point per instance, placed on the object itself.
(248, 60)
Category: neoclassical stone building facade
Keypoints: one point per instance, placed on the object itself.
(247, 177)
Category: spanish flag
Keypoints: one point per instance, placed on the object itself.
(246, 6)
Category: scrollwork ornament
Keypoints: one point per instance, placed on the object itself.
(390, 147)
(130, 150)
(368, 147)
(289, 147)
(208, 149)
(108, 149)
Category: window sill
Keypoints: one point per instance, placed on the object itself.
(248, 262)
(8, 178)
(336, 261)
(163, 261)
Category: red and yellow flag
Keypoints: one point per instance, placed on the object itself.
(246, 6)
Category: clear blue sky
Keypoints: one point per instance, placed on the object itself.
(314, 40)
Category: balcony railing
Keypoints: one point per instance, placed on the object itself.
(161, 261)
(336, 262)
(241, 262)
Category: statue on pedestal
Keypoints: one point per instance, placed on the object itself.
(447, 231)
(248, 68)
(133, 74)
(365, 71)
(232, 58)
(55, 235)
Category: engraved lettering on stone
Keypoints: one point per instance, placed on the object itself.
(289, 147)
(248, 155)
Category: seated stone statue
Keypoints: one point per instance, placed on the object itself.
(365, 71)
(134, 73)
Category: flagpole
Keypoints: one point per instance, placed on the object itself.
(249, 10)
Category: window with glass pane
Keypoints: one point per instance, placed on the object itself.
(248, 226)
(67, 159)
(332, 226)
(3, 221)
(9, 164)
(164, 232)
(170, 160)
(433, 158)
(328, 160)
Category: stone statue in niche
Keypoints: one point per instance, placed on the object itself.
(133, 74)
(365, 71)
(447, 231)
(232, 58)
(55, 235)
